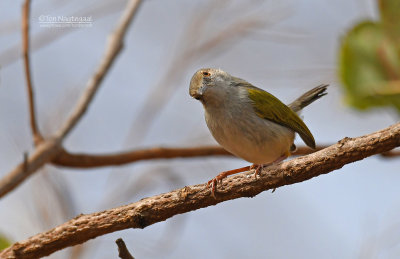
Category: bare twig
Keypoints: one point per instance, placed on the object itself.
(114, 46)
(37, 137)
(123, 251)
(164, 206)
(47, 150)
(391, 154)
(74, 160)
(89, 160)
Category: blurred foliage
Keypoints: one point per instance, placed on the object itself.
(369, 62)
(4, 242)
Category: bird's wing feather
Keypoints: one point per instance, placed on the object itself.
(271, 108)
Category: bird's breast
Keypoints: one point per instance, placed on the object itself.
(237, 128)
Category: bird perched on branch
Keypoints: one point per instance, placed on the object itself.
(248, 121)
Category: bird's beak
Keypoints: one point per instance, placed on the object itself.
(197, 88)
(198, 93)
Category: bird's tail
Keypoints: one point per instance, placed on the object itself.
(308, 97)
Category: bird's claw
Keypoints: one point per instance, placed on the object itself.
(218, 179)
(213, 183)
(257, 169)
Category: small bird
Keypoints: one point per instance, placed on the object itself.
(249, 122)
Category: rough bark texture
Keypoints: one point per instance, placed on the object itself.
(161, 207)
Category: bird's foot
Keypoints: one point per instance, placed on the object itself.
(218, 179)
(213, 183)
(259, 167)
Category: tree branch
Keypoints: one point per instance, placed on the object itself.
(67, 159)
(161, 207)
(391, 154)
(47, 150)
(37, 137)
(75, 160)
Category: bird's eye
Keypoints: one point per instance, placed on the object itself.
(205, 73)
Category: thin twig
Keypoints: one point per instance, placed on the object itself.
(47, 150)
(164, 206)
(391, 154)
(75, 160)
(37, 137)
(123, 251)
(90, 160)
(113, 47)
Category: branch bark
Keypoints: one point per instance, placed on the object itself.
(161, 207)
(48, 149)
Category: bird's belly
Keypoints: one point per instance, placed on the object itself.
(256, 140)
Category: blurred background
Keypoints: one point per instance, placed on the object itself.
(285, 47)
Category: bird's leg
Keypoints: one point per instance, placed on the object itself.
(259, 168)
(213, 182)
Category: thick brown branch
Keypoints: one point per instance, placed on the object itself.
(161, 207)
(37, 137)
(50, 148)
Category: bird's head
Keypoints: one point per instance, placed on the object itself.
(208, 84)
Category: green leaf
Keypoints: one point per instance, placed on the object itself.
(4, 242)
(369, 67)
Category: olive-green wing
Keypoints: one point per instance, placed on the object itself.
(271, 108)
